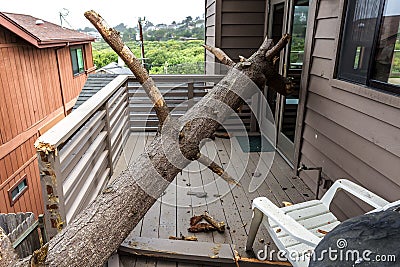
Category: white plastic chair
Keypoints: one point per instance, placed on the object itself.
(297, 229)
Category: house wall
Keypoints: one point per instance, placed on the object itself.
(210, 24)
(72, 85)
(351, 131)
(237, 27)
(31, 100)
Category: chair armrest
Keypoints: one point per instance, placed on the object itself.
(285, 222)
(356, 190)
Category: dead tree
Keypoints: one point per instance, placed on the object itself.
(98, 231)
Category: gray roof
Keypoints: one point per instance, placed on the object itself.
(94, 83)
(114, 68)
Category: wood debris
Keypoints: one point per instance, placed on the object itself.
(287, 203)
(182, 237)
(197, 226)
(322, 231)
(201, 227)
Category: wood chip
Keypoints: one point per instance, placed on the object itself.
(278, 230)
(186, 238)
(322, 231)
(287, 203)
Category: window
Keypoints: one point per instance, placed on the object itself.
(77, 60)
(370, 50)
(16, 191)
(300, 16)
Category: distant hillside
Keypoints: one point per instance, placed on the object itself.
(187, 29)
(162, 57)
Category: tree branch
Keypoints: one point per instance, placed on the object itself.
(274, 51)
(113, 38)
(220, 55)
(280, 84)
(206, 161)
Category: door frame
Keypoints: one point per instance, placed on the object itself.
(265, 123)
(282, 143)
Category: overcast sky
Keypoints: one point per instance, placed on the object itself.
(114, 11)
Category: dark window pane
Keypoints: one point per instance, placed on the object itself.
(80, 59)
(387, 57)
(18, 190)
(358, 39)
(77, 60)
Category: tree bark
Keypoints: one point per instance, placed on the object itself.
(98, 230)
(7, 253)
(220, 55)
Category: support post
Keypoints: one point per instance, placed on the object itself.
(42, 228)
(52, 190)
(190, 94)
(108, 129)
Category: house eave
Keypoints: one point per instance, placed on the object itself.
(10, 25)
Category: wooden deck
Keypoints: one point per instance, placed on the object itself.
(170, 215)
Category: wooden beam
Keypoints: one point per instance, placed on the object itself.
(20, 169)
(196, 252)
(14, 143)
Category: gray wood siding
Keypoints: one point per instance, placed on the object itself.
(210, 22)
(242, 27)
(237, 27)
(349, 134)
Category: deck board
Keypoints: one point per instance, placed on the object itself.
(171, 213)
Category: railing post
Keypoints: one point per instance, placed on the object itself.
(109, 147)
(42, 228)
(190, 94)
(53, 195)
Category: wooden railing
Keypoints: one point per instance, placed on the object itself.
(78, 155)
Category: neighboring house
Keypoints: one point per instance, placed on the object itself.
(94, 83)
(345, 118)
(43, 68)
(115, 68)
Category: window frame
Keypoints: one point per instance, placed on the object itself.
(76, 48)
(370, 83)
(12, 199)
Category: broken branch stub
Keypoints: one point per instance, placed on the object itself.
(274, 51)
(112, 37)
(214, 167)
(220, 55)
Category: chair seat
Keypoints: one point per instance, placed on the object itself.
(313, 215)
(297, 229)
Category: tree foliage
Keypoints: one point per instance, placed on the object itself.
(169, 57)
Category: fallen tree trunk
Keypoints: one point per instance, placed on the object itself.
(7, 253)
(98, 231)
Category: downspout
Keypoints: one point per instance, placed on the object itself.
(59, 79)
